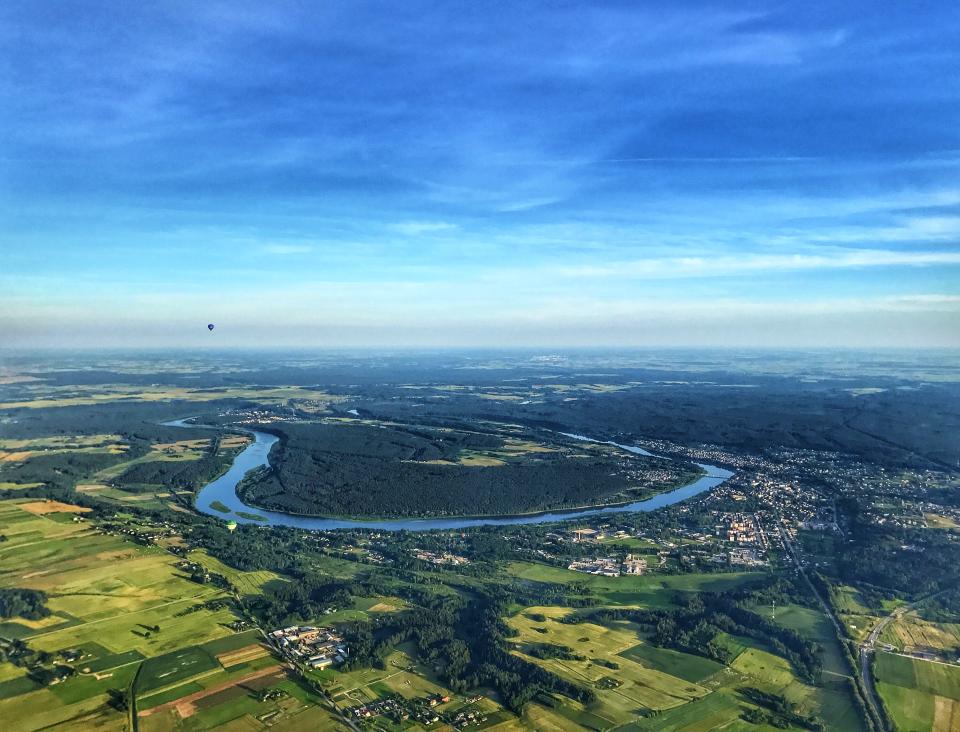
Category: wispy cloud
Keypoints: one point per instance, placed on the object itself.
(283, 250)
(452, 160)
(725, 265)
(416, 228)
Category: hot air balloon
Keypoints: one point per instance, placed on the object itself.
(209, 326)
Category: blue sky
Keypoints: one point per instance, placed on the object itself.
(515, 173)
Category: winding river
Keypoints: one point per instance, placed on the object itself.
(223, 491)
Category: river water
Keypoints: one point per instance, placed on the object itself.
(224, 490)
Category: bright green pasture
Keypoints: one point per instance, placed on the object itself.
(912, 710)
(937, 679)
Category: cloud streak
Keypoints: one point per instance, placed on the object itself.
(720, 266)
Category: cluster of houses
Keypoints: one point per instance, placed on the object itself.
(400, 709)
(315, 647)
(609, 566)
(439, 558)
(466, 717)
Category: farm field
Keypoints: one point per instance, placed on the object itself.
(77, 396)
(909, 632)
(18, 451)
(101, 588)
(921, 695)
(814, 624)
(408, 678)
(247, 583)
(218, 683)
(112, 604)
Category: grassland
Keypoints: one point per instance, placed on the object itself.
(247, 583)
(404, 676)
(107, 598)
(18, 451)
(101, 588)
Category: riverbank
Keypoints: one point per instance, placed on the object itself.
(223, 491)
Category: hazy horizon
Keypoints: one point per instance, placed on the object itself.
(442, 175)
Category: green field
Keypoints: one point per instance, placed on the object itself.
(642, 684)
(106, 597)
(937, 679)
(247, 583)
(682, 665)
(643, 590)
(919, 695)
(171, 668)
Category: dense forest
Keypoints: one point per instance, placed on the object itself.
(912, 561)
(365, 470)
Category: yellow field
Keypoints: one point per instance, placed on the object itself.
(40, 508)
(100, 395)
(946, 714)
(182, 445)
(914, 633)
(481, 461)
(64, 442)
(12, 457)
(18, 451)
(17, 486)
(233, 441)
(936, 521)
(525, 446)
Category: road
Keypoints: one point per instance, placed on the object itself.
(866, 677)
(869, 645)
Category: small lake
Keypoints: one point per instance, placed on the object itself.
(223, 490)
